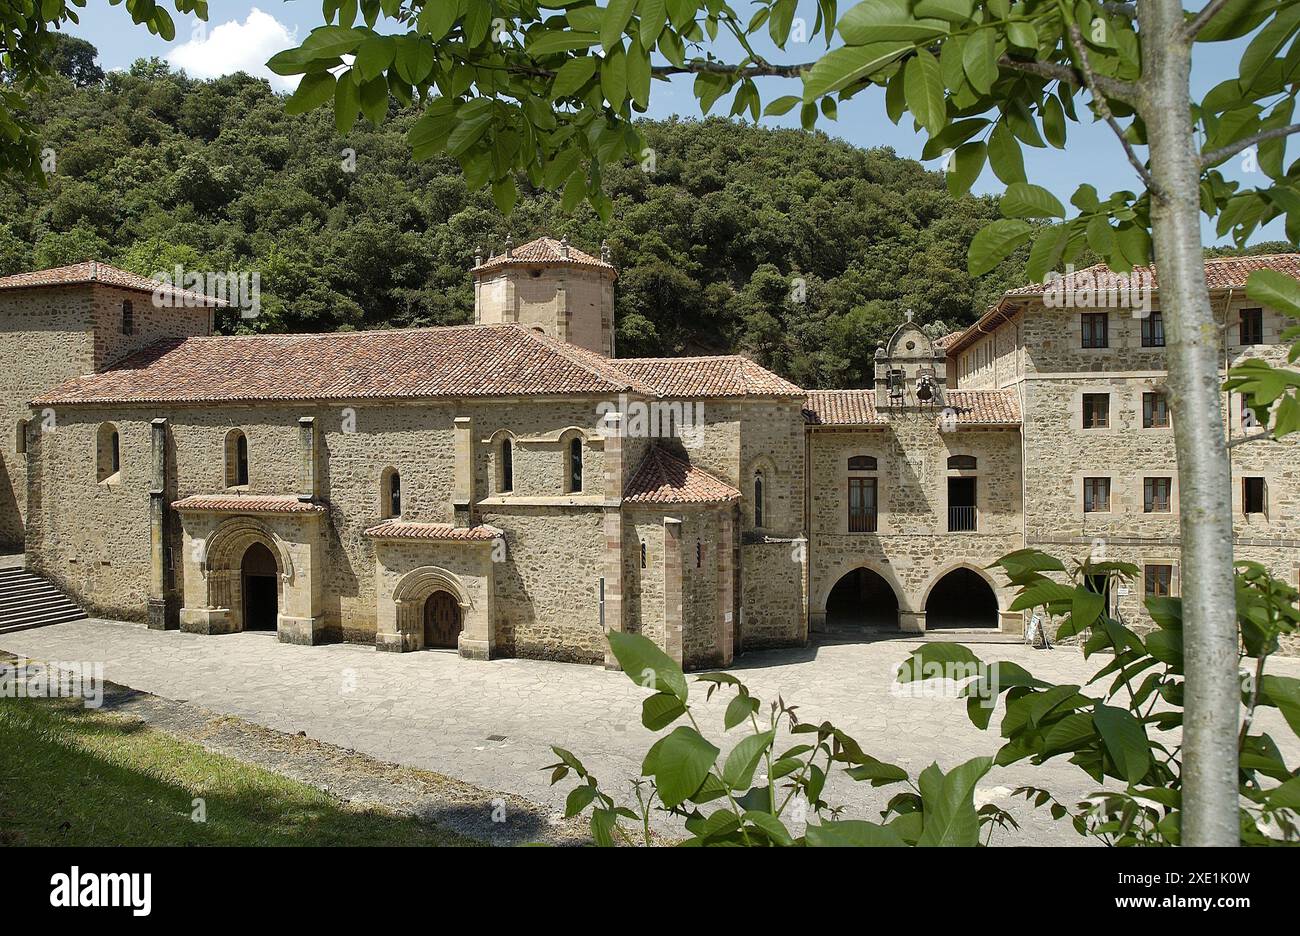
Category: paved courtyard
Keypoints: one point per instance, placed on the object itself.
(492, 724)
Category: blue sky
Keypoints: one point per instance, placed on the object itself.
(242, 35)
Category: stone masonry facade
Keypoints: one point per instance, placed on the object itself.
(513, 488)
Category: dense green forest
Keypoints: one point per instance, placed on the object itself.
(153, 169)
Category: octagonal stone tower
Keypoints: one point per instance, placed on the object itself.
(552, 287)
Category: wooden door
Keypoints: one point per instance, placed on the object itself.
(441, 620)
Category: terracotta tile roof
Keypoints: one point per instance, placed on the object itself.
(247, 503)
(457, 361)
(544, 251)
(1220, 273)
(983, 407)
(705, 377)
(92, 271)
(441, 532)
(943, 341)
(858, 408)
(663, 478)
(842, 408)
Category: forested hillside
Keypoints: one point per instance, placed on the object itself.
(154, 169)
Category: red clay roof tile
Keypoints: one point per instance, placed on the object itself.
(92, 271)
(441, 532)
(544, 251)
(247, 503)
(858, 408)
(663, 478)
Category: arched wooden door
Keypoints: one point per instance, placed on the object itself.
(442, 624)
(260, 588)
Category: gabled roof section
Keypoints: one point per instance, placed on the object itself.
(544, 251)
(467, 361)
(92, 272)
(696, 378)
(965, 407)
(662, 478)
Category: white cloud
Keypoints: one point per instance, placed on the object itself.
(234, 46)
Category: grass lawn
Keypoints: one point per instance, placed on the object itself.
(73, 776)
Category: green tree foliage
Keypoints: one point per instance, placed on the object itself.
(74, 59)
(154, 169)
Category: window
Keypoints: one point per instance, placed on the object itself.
(390, 486)
(862, 505)
(699, 554)
(1155, 411)
(643, 554)
(236, 459)
(961, 462)
(128, 317)
(108, 461)
(1159, 580)
(1096, 495)
(1252, 326)
(1254, 495)
(758, 500)
(1096, 410)
(1095, 328)
(1155, 494)
(20, 438)
(575, 465)
(1153, 331)
(961, 505)
(862, 463)
(506, 482)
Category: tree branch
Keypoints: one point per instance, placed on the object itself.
(1197, 23)
(1128, 10)
(1214, 157)
(756, 70)
(1111, 87)
(1103, 110)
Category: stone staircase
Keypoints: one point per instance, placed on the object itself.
(27, 600)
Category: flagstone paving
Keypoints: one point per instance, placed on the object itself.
(492, 724)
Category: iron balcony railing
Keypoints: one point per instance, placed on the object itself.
(961, 519)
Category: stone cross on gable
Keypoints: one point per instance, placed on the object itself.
(909, 314)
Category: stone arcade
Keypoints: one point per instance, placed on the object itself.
(513, 488)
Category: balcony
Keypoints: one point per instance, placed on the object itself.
(961, 519)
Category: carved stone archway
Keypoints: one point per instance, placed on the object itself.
(414, 589)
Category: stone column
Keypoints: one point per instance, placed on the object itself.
(462, 492)
(157, 610)
(673, 588)
(308, 475)
(911, 622)
(726, 586)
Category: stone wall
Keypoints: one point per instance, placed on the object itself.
(51, 334)
(574, 305)
(912, 548)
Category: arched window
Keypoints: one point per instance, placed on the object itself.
(575, 465)
(108, 461)
(862, 463)
(961, 462)
(20, 437)
(699, 554)
(506, 478)
(236, 459)
(128, 317)
(759, 512)
(643, 554)
(390, 487)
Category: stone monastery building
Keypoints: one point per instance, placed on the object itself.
(513, 488)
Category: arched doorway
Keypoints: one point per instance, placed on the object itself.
(862, 600)
(260, 588)
(962, 598)
(442, 620)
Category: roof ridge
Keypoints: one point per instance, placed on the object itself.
(580, 356)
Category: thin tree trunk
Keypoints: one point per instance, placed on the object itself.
(1204, 474)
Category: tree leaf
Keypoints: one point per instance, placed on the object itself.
(873, 21)
(1004, 155)
(840, 68)
(679, 762)
(437, 17)
(647, 665)
(948, 804)
(980, 59)
(995, 242)
(1125, 740)
(615, 21)
(923, 88)
(1275, 290)
(613, 77)
(314, 90)
(661, 710)
(572, 75)
(738, 770)
(965, 166)
(654, 16)
(1024, 200)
